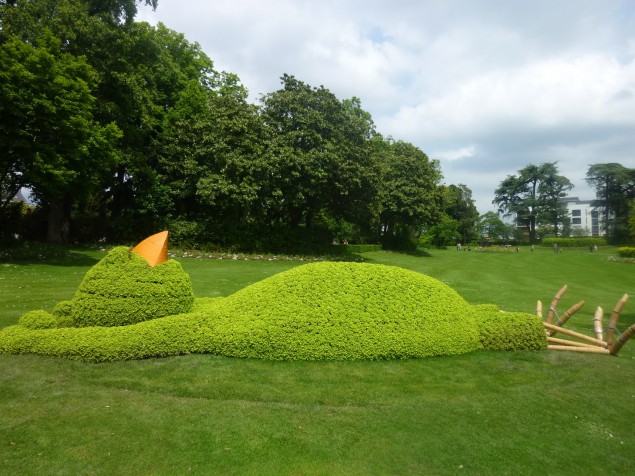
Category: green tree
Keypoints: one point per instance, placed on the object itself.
(299, 150)
(142, 80)
(356, 179)
(53, 143)
(459, 205)
(614, 189)
(117, 11)
(551, 190)
(491, 226)
(319, 159)
(211, 162)
(103, 35)
(532, 196)
(410, 195)
(631, 221)
(445, 232)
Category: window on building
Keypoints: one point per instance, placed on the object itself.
(576, 221)
(595, 223)
(576, 213)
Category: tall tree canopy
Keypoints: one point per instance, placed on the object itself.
(533, 196)
(121, 128)
(410, 195)
(614, 189)
(490, 226)
(459, 205)
(49, 137)
(319, 157)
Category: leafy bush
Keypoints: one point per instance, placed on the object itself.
(344, 311)
(626, 252)
(509, 330)
(574, 242)
(123, 289)
(38, 320)
(63, 312)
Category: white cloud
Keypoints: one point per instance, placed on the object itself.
(455, 154)
(550, 93)
(487, 87)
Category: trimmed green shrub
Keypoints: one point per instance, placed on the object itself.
(340, 311)
(574, 242)
(626, 252)
(123, 289)
(38, 320)
(63, 312)
(509, 330)
(173, 335)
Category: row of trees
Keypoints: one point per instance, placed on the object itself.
(534, 199)
(120, 129)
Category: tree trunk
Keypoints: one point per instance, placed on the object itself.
(532, 230)
(59, 220)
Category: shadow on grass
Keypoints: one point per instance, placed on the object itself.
(417, 253)
(51, 255)
(414, 253)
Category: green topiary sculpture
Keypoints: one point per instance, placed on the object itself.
(38, 320)
(320, 311)
(123, 289)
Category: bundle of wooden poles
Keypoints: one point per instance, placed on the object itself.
(609, 343)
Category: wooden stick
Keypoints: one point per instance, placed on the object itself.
(555, 340)
(583, 337)
(621, 340)
(539, 309)
(591, 350)
(597, 323)
(615, 315)
(570, 312)
(554, 303)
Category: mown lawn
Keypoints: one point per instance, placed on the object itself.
(483, 413)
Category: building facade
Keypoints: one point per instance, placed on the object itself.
(585, 218)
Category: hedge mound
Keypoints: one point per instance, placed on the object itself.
(344, 311)
(38, 320)
(626, 252)
(123, 289)
(509, 330)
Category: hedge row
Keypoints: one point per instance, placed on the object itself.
(362, 248)
(626, 252)
(574, 242)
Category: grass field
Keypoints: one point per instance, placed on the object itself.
(482, 413)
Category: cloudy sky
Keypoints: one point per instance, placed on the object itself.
(484, 86)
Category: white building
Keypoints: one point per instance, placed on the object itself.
(585, 218)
